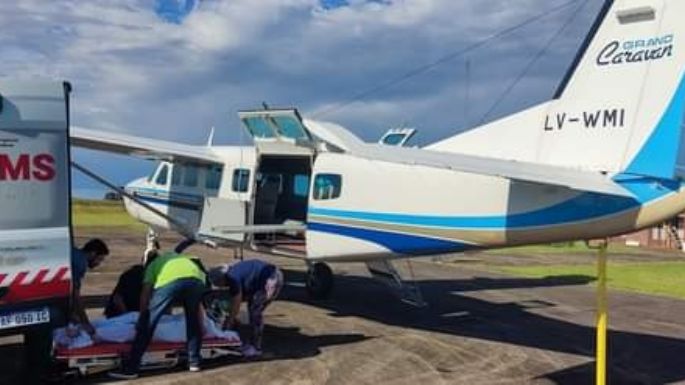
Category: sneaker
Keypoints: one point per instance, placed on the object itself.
(122, 375)
(250, 351)
(194, 367)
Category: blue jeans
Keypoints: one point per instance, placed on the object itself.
(189, 291)
(258, 302)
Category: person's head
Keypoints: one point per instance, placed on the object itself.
(217, 276)
(95, 250)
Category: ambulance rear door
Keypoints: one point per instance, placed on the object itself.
(35, 235)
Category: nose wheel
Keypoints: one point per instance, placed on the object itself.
(319, 281)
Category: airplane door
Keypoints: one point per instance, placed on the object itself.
(278, 132)
(223, 219)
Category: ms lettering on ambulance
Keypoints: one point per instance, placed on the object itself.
(39, 167)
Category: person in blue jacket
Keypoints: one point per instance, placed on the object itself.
(90, 256)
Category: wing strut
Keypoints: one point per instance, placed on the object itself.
(183, 229)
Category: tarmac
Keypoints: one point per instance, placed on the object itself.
(479, 328)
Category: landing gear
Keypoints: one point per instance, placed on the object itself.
(319, 281)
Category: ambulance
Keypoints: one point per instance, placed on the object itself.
(35, 231)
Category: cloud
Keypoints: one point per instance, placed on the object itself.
(135, 71)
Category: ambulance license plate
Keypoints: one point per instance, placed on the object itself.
(24, 318)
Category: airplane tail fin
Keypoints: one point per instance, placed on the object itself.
(619, 109)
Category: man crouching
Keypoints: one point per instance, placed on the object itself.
(255, 282)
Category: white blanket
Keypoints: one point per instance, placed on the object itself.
(171, 328)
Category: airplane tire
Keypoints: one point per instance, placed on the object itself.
(319, 281)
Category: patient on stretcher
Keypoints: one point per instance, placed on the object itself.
(122, 329)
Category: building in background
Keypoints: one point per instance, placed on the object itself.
(668, 235)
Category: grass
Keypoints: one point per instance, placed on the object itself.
(568, 248)
(659, 278)
(95, 213)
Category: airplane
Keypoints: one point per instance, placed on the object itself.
(603, 157)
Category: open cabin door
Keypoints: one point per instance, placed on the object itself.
(279, 132)
(223, 219)
(285, 152)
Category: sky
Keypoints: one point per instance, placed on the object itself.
(171, 69)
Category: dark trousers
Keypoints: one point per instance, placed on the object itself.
(188, 291)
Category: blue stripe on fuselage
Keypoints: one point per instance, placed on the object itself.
(396, 242)
(167, 202)
(583, 207)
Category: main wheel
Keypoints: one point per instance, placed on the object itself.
(319, 281)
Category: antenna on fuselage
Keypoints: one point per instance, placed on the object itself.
(266, 106)
(210, 139)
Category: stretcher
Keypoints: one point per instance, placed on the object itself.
(159, 355)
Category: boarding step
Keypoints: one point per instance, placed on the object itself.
(224, 221)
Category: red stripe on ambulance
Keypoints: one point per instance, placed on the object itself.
(36, 288)
(19, 278)
(39, 278)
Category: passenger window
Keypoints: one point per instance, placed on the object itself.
(301, 185)
(176, 174)
(213, 179)
(327, 186)
(241, 179)
(393, 139)
(190, 176)
(162, 176)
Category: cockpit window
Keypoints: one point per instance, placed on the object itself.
(176, 174)
(190, 176)
(213, 178)
(162, 175)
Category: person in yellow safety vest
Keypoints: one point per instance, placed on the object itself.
(170, 277)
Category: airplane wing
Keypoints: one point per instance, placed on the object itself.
(139, 146)
(522, 171)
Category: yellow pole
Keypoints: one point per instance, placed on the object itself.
(601, 353)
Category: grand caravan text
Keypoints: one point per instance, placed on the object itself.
(635, 51)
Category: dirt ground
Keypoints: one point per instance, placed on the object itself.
(478, 328)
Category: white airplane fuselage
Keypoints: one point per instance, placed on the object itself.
(388, 210)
